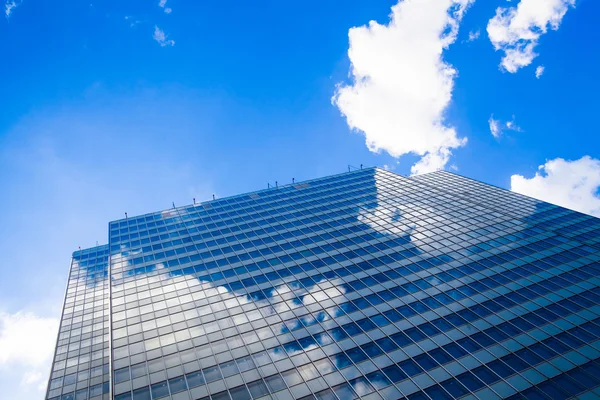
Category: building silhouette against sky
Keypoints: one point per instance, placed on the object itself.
(364, 285)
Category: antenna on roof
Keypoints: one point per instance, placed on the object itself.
(173, 204)
(125, 215)
(194, 200)
(276, 185)
(360, 166)
(213, 196)
(293, 180)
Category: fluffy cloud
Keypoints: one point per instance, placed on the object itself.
(474, 35)
(512, 125)
(497, 127)
(539, 71)
(160, 36)
(571, 184)
(401, 85)
(27, 342)
(9, 6)
(516, 30)
(163, 4)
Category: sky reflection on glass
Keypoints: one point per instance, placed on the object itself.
(360, 279)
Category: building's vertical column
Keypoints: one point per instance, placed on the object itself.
(114, 272)
(80, 368)
(125, 316)
(110, 355)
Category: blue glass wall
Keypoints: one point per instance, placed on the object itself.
(80, 367)
(365, 284)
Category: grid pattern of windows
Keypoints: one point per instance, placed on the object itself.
(81, 362)
(364, 284)
(569, 223)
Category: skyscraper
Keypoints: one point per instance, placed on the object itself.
(365, 284)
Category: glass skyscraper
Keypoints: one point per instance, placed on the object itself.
(364, 285)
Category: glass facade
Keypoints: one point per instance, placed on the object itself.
(365, 284)
(81, 361)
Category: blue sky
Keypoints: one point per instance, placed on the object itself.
(118, 107)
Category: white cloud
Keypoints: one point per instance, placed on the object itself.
(474, 35)
(516, 30)
(539, 71)
(162, 4)
(512, 125)
(9, 6)
(27, 341)
(432, 161)
(31, 377)
(497, 127)
(401, 85)
(26, 338)
(160, 36)
(571, 184)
